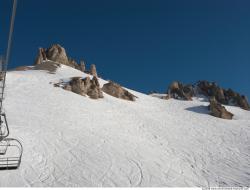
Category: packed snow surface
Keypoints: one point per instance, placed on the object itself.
(71, 140)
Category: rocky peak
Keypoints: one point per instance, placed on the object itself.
(56, 53)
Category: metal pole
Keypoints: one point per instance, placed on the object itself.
(5, 61)
(11, 32)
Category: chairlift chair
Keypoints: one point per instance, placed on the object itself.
(11, 151)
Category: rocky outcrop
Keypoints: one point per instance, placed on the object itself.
(41, 56)
(218, 110)
(57, 54)
(210, 89)
(73, 63)
(82, 66)
(93, 70)
(85, 86)
(227, 97)
(117, 91)
(178, 90)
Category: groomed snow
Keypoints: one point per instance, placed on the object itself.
(71, 140)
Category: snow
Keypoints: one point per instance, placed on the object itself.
(71, 140)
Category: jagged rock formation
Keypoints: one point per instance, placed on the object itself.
(93, 70)
(227, 97)
(73, 63)
(218, 110)
(117, 91)
(82, 66)
(54, 53)
(41, 56)
(57, 54)
(85, 86)
(179, 91)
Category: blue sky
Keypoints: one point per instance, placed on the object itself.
(142, 44)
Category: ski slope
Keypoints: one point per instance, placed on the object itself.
(71, 140)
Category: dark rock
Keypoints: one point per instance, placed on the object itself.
(179, 91)
(57, 54)
(94, 90)
(218, 110)
(117, 91)
(41, 56)
(85, 86)
(227, 97)
(77, 85)
(243, 102)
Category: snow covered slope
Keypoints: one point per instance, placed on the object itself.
(71, 140)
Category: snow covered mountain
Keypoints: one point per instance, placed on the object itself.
(71, 140)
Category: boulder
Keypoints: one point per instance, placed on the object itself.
(85, 86)
(179, 91)
(94, 90)
(77, 85)
(218, 110)
(117, 91)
